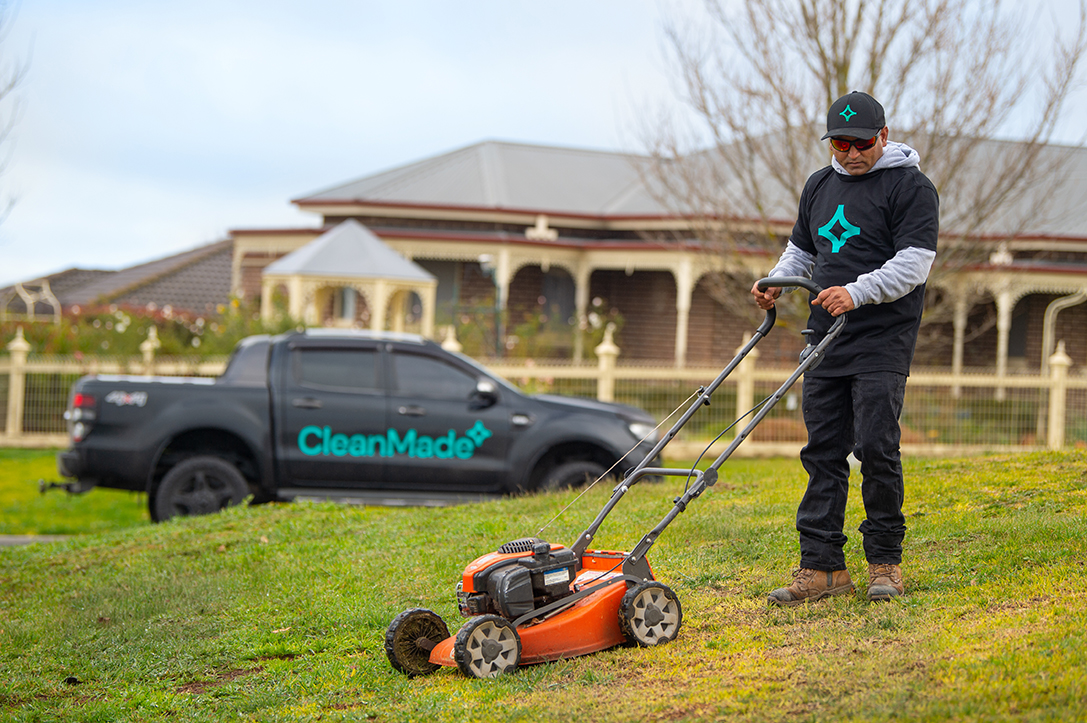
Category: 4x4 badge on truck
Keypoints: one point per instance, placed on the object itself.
(314, 441)
(127, 399)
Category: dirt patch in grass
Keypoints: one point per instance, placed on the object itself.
(229, 676)
(12, 702)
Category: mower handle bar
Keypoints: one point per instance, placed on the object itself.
(699, 480)
(704, 394)
(782, 281)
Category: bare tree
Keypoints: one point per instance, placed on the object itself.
(953, 75)
(12, 75)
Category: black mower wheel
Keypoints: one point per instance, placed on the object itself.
(411, 636)
(650, 614)
(198, 486)
(571, 474)
(487, 646)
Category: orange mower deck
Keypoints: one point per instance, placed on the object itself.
(589, 625)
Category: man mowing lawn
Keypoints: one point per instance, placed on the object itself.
(866, 232)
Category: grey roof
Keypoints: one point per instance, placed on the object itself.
(192, 280)
(199, 286)
(352, 250)
(565, 181)
(512, 176)
(108, 288)
(1050, 201)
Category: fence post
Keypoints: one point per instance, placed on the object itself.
(1058, 395)
(148, 348)
(745, 380)
(606, 354)
(449, 342)
(19, 348)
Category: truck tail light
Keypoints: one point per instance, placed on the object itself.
(80, 415)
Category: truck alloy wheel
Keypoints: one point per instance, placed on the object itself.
(487, 646)
(650, 614)
(198, 486)
(411, 636)
(572, 474)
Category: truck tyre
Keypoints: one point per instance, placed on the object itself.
(571, 474)
(197, 486)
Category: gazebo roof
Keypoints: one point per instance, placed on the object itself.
(348, 250)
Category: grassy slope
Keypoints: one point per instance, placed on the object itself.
(278, 612)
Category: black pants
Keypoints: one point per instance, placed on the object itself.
(856, 414)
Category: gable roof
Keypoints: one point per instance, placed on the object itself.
(556, 181)
(348, 250)
(200, 285)
(193, 280)
(130, 285)
(509, 176)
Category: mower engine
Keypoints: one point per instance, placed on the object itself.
(520, 577)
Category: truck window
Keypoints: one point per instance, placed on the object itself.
(430, 378)
(340, 369)
(248, 365)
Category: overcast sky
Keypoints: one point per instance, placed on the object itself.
(148, 128)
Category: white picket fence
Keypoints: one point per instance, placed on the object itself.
(946, 414)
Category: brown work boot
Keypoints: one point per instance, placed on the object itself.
(884, 582)
(811, 585)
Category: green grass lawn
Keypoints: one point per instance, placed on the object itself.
(278, 612)
(25, 511)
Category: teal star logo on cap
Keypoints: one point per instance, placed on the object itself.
(848, 229)
(848, 114)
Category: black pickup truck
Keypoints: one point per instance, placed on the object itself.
(379, 417)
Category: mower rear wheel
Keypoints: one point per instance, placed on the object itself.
(487, 646)
(650, 614)
(411, 636)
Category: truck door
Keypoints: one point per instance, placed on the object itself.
(445, 439)
(331, 411)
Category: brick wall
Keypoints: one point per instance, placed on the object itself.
(715, 332)
(251, 280)
(647, 302)
(1026, 335)
(525, 291)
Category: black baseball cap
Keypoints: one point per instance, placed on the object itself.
(855, 115)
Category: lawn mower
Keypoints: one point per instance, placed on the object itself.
(532, 601)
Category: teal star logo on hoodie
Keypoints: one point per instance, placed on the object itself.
(848, 229)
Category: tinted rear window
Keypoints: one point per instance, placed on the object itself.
(347, 369)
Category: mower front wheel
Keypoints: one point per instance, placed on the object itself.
(487, 646)
(411, 636)
(650, 614)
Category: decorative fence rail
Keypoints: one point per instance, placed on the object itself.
(945, 413)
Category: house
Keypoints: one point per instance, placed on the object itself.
(526, 240)
(544, 227)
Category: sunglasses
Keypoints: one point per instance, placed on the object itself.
(842, 145)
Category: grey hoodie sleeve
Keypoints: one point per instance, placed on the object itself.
(794, 261)
(902, 273)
